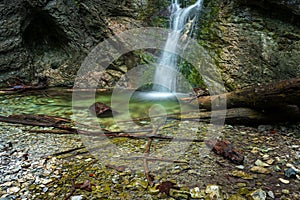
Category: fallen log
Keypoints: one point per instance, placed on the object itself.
(245, 116)
(273, 95)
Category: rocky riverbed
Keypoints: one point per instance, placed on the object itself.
(39, 166)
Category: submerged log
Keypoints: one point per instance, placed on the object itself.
(272, 95)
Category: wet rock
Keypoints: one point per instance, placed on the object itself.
(178, 194)
(258, 194)
(271, 194)
(214, 192)
(196, 193)
(79, 197)
(284, 181)
(240, 166)
(285, 191)
(13, 190)
(290, 173)
(242, 175)
(100, 109)
(260, 170)
(261, 163)
(270, 161)
(236, 197)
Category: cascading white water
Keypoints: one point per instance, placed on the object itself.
(182, 21)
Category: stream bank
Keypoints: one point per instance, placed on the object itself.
(41, 165)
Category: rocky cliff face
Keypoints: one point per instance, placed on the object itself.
(252, 42)
(50, 38)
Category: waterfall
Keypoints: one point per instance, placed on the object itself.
(182, 22)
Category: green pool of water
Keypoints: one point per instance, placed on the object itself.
(59, 102)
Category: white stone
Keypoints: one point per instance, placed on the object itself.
(284, 181)
(214, 192)
(76, 197)
(271, 194)
(13, 190)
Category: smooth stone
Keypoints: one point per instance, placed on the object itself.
(270, 161)
(261, 163)
(285, 191)
(260, 170)
(290, 173)
(13, 190)
(45, 189)
(240, 166)
(242, 175)
(241, 185)
(258, 194)
(284, 181)
(76, 197)
(271, 194)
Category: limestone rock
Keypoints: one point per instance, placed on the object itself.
(258, 194)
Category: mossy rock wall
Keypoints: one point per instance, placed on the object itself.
(252, 42)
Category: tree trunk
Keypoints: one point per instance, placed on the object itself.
(274, 95)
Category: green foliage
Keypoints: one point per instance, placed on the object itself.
(191, 74)
(77, 2)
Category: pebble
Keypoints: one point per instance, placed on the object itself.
(260, 170)
(258, 194)
(285, 191)
(196, 193)
(261, 163)
(22, 167)
(13, 190)
(271, 194)
(290, 173)
(214, 192)
(270, 161)
(240, 166)
(79, 197)
(284, 181)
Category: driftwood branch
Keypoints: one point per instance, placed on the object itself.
(39, 120)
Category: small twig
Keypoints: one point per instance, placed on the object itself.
(145, 162)
(50, 131)
(67, 151)
(146, 154)
(157, 137)
(155, 159)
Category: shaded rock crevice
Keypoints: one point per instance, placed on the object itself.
(51, 38)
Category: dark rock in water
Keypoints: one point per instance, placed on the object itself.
(290, 173)
(100, 109)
